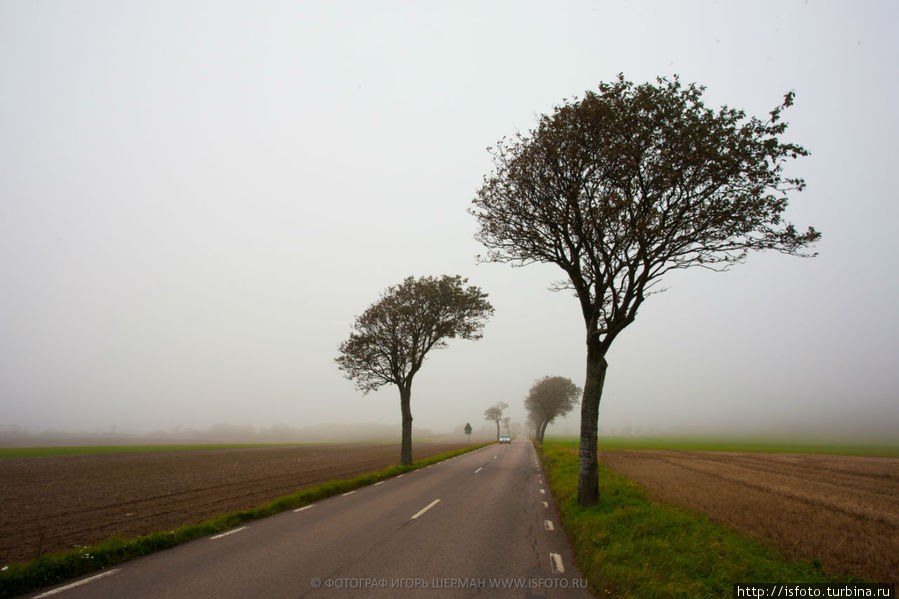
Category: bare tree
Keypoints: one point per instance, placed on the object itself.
(549, 398)
(495, 413)
(391, 338)
(625, 185)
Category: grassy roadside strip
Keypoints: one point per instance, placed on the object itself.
(627, 546)
(54, 568)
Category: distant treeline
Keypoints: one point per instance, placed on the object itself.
(12, 436)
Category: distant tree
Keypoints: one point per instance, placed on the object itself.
(507, 422)
(391, 338)
(495, 413)
(468, 431)
(625, 185)
(549, 398)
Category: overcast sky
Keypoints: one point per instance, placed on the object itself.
(197, 198)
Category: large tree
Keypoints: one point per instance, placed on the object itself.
(625, 185)
(549, 398)
(391, 339)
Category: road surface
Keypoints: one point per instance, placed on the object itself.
(480, 524)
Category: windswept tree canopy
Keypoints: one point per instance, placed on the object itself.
(391, 339)
(549, 398)
(634, 181)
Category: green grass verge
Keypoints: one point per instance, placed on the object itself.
(629, 547)
(54, 568)
(607, 443)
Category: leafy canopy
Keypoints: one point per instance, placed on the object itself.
(634, 181)
(391, 338)
(495, 412)
(551, 397)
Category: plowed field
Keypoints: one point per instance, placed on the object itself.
(53, 503)
(843, 511)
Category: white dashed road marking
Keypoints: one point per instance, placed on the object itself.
(348, 493)
(230, 532)
(305, 507)
(548, 525)
(479, 469)
(556, 561)
(424, 509)
(75, 584)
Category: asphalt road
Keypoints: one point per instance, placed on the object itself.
(480, 524)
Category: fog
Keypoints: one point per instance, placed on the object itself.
(197, 198)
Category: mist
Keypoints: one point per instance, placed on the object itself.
(196, 203)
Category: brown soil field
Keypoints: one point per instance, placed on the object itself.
(50, 504)
(843, 511)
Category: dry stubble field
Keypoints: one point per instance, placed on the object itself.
(843, 511)
(49, 504)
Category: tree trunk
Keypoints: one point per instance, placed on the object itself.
(497, 430)
(405, 398)
(588, 475)
(542, 430)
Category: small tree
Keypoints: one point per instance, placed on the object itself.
(468, 431)
(391, 338)
(625, 185)
(495, 413)
(549, 398)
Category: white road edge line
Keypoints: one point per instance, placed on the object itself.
(479, 469)
(378, 483)
(548, 525)
(424, 509)
(545, 504)
(556, 561)
(305, 507)
(348, 493)
(225, 534)
(76, 584)
(543, 491)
